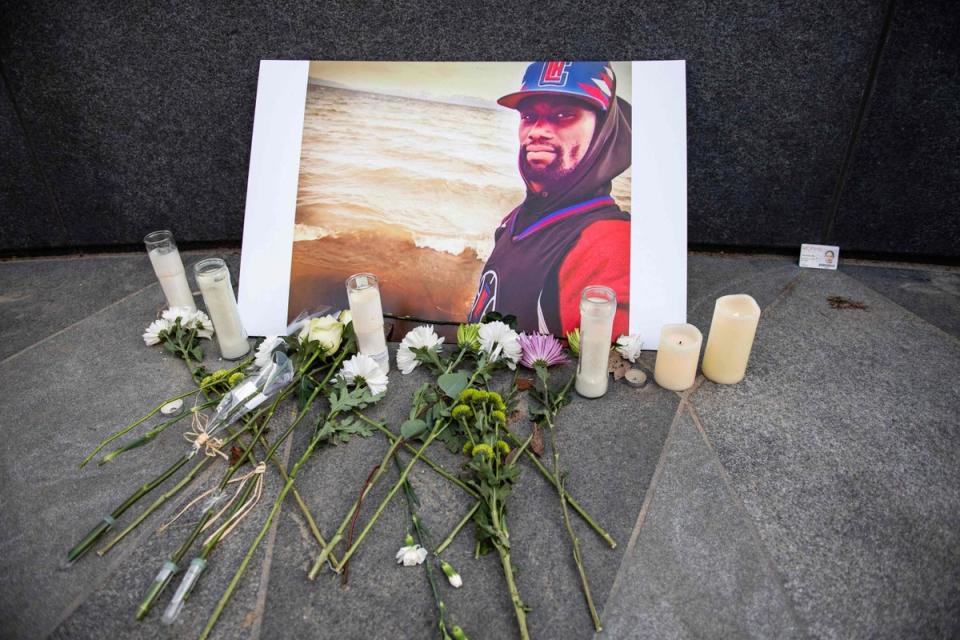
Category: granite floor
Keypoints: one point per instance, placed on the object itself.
(820, 497)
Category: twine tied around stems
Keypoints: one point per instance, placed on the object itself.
(200, 439)
(214, 495)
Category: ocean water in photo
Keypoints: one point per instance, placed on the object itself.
(441, 175)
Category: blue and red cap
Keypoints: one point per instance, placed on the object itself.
(590, 81)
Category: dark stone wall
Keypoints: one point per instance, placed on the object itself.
(121, 117)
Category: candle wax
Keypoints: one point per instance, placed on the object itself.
(173, 280)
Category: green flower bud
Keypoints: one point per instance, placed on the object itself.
(235, 378)
(573, 340)
(503, 447)
(484, 450)
(468, 336)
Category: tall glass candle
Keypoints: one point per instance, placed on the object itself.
(677, 356)
(168, 266)
(366, 311)
(213, 278)
(598, 305)
(731, 338)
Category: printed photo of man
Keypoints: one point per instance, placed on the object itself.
(574, 139)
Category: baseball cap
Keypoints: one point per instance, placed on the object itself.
(590, 81)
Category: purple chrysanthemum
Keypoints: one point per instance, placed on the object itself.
(542, 350)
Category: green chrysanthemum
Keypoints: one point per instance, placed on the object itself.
(484, 450)
(461, 411)
(573, 340)
(468, 336)
(503, 447)
(497, 401)
(498, 416)
(467, 448)
(235, 378)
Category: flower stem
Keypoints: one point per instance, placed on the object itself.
(570, 499)
(326, 552)
(456, 530)
(436, 431)
(231, 587)
(577, 558)
(429, 461)
(503, 550)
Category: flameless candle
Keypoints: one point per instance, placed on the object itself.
(213, 278)
(598, 305)
(676, 366)
(366, 311)
(731, 338)
(169, 269)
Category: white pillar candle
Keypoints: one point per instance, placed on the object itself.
(677, 356)
(598, 305)
(366, 311)
(213, 278)
(168, 266)
(731, 338)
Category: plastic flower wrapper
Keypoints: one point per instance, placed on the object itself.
(420, 344)
(264, 354)
(630, 346)
(251, 393)
(500, 342)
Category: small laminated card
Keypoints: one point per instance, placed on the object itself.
(819, 256)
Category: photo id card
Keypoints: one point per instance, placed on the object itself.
(819, 256)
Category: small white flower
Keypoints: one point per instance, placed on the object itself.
(455, 580)
(264, 355)
(152, 335)
(184, 313)
(499, 341)
(366, 368)
(423, 336)
(202, 323)
(629, 346)
(412, 555)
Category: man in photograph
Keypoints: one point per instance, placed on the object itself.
(568, 232)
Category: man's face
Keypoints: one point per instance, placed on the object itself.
(555, 135)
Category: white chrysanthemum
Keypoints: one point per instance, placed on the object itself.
(366, 368)
(265, 350)
(190, 319)
(423, 336)
(152, 335)
(412, 555)
(629, 346)
(499, 341)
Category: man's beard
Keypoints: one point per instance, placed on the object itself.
(551, 176)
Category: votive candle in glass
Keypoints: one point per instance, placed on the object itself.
(734, 325)
(677, 356)
(213, 278)
(598, 305)
(168, 266)
(366, 311)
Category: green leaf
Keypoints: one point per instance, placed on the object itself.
(169, 346)
(453, 384)
(412, 428)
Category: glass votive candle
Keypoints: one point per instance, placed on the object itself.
(213, 278)
(731, 336)
(165, 258)
(366, 311)
(598, 306)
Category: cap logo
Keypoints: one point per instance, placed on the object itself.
(554, 73)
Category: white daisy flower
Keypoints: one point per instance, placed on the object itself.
(184, 313)
(202, 323)
(629, 346)
(455, 580)
(499, 341)
(152, 335)
(364, 368)
(418, 338)
(264, 355)
(411, 555)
